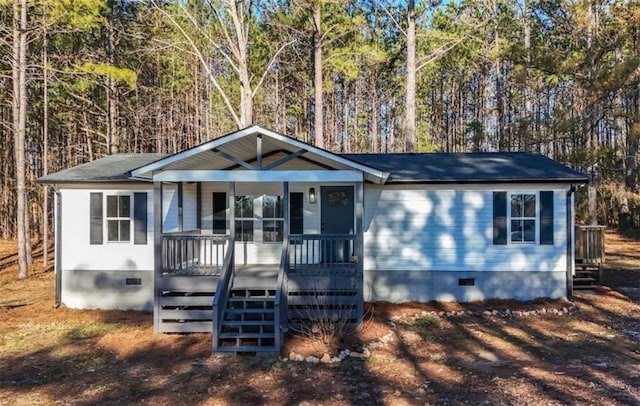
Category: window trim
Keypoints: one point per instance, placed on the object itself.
(107, 218)
(536, 218)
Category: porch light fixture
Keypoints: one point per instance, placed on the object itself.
(312, 195)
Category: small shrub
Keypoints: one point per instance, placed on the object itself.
(426, 322)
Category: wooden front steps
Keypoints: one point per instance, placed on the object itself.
(248, 323)
(587, 276)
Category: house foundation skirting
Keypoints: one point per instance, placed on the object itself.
(463, 286)
(109, 290)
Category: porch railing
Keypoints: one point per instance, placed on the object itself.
(590, 244)
(193, 253)
(335, 253)
(281, 305)
(223, 290)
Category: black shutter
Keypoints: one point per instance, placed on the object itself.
(296, 213)
(500, 218)
(140, 218)
(546, 217)
(95, 218)
(220, 205)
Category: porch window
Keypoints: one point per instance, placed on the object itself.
(118, 218)
(523, 217)
(244, 218)
(272, 218)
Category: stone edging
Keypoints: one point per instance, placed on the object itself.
(389, 337)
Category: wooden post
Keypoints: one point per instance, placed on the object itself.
(199, 205)
(592, 198)
(286, 214)
(259, 151)
(180, 207)
(359, 248)
(157, 252)
(232, 211)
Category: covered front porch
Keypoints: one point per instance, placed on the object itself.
(253, 235)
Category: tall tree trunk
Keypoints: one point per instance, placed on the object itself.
(242, 37)
(410, 97)
(113, 137)
(45, 143)
(317, 75)
(19, 128)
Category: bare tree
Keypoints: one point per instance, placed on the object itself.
(19, 66)
(234, 20)
(317, 75)
(410, 94)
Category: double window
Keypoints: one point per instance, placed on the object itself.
(259, 218)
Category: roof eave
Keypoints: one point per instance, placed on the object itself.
(86, 181)
(575, 181)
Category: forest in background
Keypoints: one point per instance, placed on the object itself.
(80, 79)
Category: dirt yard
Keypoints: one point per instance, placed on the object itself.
(499, 352)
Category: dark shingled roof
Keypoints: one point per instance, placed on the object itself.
(481, 167)
(477, 167)
(111, 168)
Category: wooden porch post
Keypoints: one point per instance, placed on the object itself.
(285, 203)
(199, 205)
(232, 211)
(180, 207)
(157, 252)
(259, 151)
(359, 248)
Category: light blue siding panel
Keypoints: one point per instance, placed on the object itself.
(433, 229)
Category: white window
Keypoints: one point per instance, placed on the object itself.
(118, 218)
(244, 218)
(523, 217)
(272, 218)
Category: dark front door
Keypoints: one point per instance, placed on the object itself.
(337, 217)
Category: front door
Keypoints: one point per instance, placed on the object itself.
(337, 217)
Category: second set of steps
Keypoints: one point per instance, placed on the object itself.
(586, 277)
(248, 323)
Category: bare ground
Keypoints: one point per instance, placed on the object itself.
(589, 356)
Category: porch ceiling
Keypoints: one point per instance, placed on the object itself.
(236, 150)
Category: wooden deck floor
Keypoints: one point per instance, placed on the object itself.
(256, 276)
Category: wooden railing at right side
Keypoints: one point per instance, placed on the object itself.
(590, 244)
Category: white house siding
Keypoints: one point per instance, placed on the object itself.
(189, 206)
(96, 276)
(420, 240)
(170, 208)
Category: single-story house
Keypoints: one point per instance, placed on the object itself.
(254, 232)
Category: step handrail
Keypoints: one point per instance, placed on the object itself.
(223, 290)
(280, 303)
